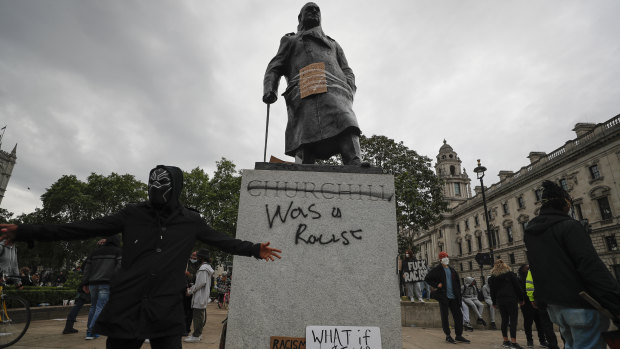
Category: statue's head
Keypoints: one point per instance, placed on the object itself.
(309, 16)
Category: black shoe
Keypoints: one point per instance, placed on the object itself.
(484, 323)
(69, 330)
(530, 344)
(543, 344)
(468, 327)
(515, 346)
(462, 339)
(493, 327)
(450, 340)
(506, 344)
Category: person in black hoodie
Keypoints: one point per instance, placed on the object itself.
(563, 263)
(447, 290)
(505, 294)
(146, 295)
(100, 267)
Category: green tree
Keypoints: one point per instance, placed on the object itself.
(70, 199)
(216, 199)
(419, 192)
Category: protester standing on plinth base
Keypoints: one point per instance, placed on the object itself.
(506, 294)
(446, 282)
(146, 298)
(564, 263)
(200, 295)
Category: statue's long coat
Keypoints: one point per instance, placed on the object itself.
(321, 116)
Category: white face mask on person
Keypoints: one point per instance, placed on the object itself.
(193, 260)
(445, 260)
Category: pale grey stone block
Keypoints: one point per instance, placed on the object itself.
(338, 267)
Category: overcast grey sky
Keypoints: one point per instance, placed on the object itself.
(120, 86)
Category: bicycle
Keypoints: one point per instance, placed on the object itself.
(14, 318)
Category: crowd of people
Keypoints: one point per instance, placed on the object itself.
(564, 267)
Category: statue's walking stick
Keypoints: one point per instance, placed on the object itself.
(266, 133)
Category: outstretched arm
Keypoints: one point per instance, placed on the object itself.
(267, 253)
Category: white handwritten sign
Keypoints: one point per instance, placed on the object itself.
(343, 337)
(414, 270)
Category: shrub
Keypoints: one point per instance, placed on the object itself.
(37, 295)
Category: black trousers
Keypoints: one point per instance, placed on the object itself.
(531, 315)
(455, 307)
(547, 326)
(171, 342)
(510, 314)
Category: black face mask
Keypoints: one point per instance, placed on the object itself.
(160, 187)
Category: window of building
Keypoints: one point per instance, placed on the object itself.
(458, 228)
(460, 249)
(440, 247)
(490, 214)
(479, 239)
(512, 258)
(452, 170)
(509, 234)
(564, 184)
(457, 189)
(440, 233)
(577, 213)
(497, 257)
(461, 266)
(476, 220)
(505, 207)
(594, 172)
(468, 246)
(466, 223)
(538, 193)
(603, 205)
(520, 202)
(471, 266)
(612, 245)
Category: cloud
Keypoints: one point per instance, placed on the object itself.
(115, 86)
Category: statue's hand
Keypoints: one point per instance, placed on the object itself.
(270, 97)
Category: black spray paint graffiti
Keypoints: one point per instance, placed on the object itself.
(311, 212)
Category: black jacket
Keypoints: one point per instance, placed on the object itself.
(147, 292)
(436, 276)
(103, 263)
(505, 289)
(563, 263)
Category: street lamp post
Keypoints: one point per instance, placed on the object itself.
(480, 175)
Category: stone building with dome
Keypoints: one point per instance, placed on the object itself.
(588, 167)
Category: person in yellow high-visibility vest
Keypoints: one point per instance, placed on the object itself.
(552, 340)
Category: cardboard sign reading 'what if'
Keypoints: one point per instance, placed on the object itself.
(287, 343)
(312, 80)
(343, 337)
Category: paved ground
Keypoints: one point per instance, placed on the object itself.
(47, 334)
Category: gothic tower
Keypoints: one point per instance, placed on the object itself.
(7, 161)
(456, 181)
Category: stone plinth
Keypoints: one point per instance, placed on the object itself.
(338, 267)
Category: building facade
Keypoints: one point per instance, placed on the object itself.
(7, 162)
(588, 167)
